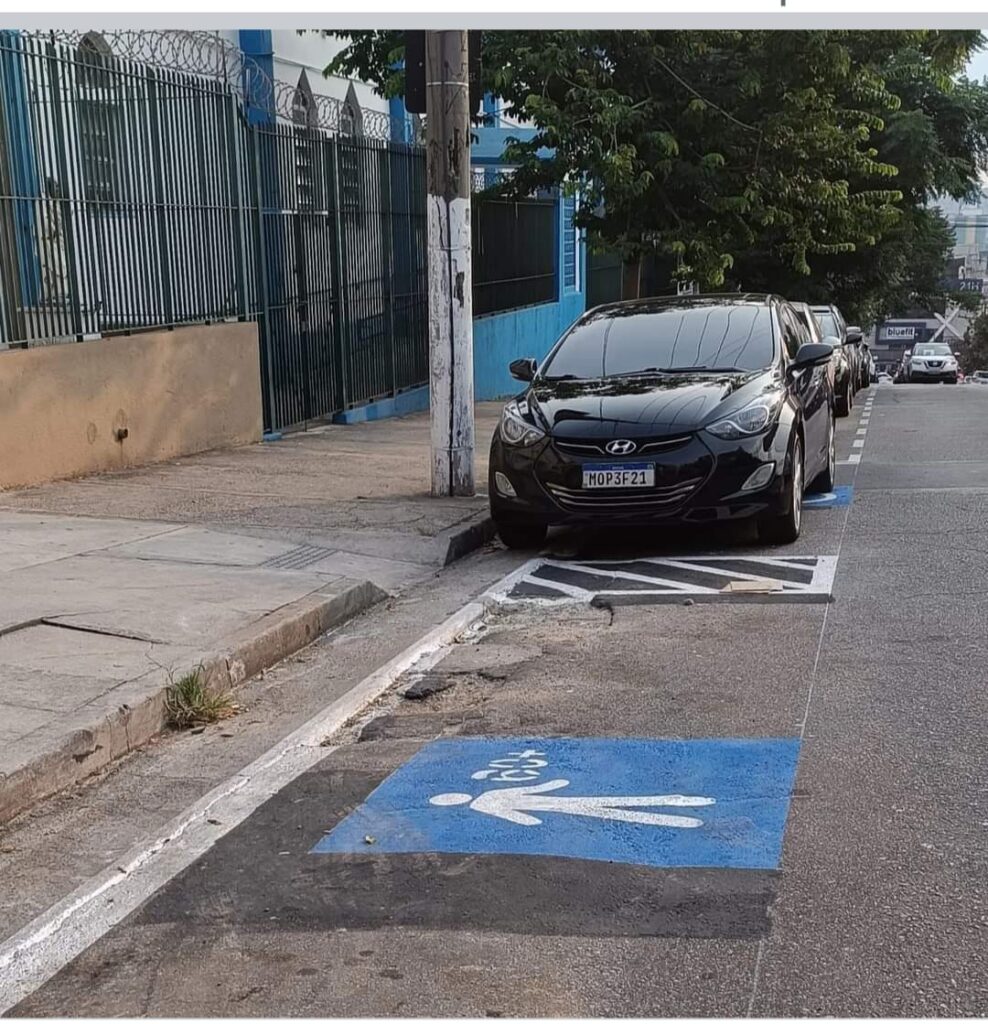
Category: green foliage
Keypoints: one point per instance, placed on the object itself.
(974, 348)
(189, 702)
(807, 158)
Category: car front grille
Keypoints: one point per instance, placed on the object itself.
(934, 364)
(651, 499)
(590, 448)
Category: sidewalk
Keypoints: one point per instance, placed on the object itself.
(231, 559)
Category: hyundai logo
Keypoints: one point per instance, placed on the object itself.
(620, 447)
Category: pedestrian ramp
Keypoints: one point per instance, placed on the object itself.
(785, 579)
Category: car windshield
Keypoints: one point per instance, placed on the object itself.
(932, 350)
(669, 338)
(827, 323)
(811, 325)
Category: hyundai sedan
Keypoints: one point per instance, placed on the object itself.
(699, 410)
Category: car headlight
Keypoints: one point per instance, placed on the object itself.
(755, 417)
(515, 429)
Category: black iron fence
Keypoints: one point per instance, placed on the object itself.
(514, 254)
(138, 192)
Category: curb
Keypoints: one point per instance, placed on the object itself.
(468, 538)
(83, 751)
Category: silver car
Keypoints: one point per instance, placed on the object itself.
(930, 362)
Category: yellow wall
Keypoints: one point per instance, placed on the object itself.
(174, 392)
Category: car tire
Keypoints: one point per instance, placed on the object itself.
(519, 534)
(825, 481)
(785, 529)
(951, 380)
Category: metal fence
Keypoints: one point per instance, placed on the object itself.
(514, 254)
(342, 242)
(150, 180)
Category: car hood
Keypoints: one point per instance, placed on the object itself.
(641, 406)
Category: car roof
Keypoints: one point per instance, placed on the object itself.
(660, 302)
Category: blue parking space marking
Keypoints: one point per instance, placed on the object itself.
(703, 803)
(839, 497)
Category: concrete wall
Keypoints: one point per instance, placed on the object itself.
(174, 392)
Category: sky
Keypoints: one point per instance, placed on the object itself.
(978, 67)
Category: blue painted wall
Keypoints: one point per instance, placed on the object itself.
(502, 337)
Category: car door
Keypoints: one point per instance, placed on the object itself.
(809, 388)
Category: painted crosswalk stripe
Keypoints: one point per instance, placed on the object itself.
(654, 580)
(858, 442)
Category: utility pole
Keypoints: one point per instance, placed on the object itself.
(450, 276)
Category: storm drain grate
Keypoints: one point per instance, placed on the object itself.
(298, 558)
(653, 580)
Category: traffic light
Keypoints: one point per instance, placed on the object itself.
(415, 72)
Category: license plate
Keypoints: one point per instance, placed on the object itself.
(636, 474)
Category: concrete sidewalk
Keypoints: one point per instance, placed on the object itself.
(111, 585)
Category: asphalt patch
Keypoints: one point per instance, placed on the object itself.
(262, 877)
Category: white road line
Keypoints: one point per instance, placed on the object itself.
(56, 937)
(619, 573)
(862, 431)
(858, 442)
(851, 460)
(729, 573)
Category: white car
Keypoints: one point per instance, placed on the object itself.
(978, 377)
(930, 362)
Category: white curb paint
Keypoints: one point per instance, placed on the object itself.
(53, 939)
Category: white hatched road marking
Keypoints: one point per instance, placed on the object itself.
(539, 583)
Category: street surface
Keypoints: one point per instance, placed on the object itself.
(631, 793)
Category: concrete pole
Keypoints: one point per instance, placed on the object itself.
(450, 277)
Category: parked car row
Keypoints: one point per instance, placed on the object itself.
(699, 409)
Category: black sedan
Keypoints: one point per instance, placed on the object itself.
(698, 410)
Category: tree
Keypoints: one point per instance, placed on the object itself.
(796, 161)
(974, 348)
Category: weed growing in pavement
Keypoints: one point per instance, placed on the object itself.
(189, 702)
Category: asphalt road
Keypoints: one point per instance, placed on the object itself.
(778, 808)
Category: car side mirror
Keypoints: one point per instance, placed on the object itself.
(523, 369)
(810, 355)
(832, 341)
(854, 335)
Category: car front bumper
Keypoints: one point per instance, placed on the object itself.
(697, 481)
(931, 375)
